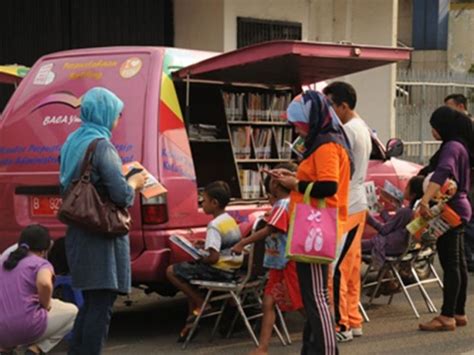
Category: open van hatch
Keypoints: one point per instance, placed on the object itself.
(292, 63)
(241, 96)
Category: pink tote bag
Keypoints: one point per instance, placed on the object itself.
(312, 236)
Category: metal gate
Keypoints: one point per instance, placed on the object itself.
(418, 94)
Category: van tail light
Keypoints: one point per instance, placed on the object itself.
(155, 210)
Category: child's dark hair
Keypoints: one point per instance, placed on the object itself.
(288, 166)
(219, 191)
(415, 184)
(35, 237)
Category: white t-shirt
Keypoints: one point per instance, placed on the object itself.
(359, 137)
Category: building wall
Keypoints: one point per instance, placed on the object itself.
(405, 22)
(199, 24)
(460, 38)
(265, 10)
(376, 87)
(359, 21)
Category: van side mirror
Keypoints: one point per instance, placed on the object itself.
(394, 148)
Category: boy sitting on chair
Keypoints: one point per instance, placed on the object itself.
(219, 265)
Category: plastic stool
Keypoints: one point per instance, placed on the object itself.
(69, 294)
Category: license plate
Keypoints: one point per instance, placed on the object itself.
(45, 206)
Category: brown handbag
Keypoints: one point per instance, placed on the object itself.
(83, 207)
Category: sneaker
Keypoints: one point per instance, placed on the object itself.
(357, 332)
(344, 336)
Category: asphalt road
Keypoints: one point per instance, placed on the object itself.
(151, 326)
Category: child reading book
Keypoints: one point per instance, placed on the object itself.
(282, 286)
(392, 237)
(219, 265)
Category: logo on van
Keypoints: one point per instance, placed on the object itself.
(45, 75)
(130, 67)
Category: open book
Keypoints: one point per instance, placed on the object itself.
(188, 247)
(391, 194)
(152, 188)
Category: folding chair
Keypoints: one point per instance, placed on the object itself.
(259, 272)
(393, 264)
(239, 291)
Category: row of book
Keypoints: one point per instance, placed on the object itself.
(250, 184)
(242, 137)
(256, 107)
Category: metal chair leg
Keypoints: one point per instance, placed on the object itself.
(198, 318)
(275, 327)
(234, 320)
(405, 291)
(279, 315)
(244, 317)
(429, 304)
(219, 318)
(364, 313)
(438, 279)
(380, 276)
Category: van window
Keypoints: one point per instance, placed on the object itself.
(46, 106)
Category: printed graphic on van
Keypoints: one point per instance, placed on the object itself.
(46, 109)
(61, 97)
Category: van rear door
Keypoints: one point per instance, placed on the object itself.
(46, 108)
(292, 63)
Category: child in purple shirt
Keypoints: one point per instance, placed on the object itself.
(392, 238)
(28, 314)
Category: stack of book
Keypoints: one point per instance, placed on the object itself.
(262, 138)
(234, 105)
(250, 184)
(241, 141)
(203, 132)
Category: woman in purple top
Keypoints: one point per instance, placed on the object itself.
(28, 314)
(453, 160)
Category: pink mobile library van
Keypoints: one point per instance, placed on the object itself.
(190, 118)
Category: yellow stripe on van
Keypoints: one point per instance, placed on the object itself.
(169, 97)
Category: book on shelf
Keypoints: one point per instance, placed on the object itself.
(287, 137)
(262, 138)
(188, 247)
(233, 105)
(241, 141)
(279, 104)
(250, 183)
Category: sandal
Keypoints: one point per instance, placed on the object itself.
(437, 324)
(461, 320)
(197, 311)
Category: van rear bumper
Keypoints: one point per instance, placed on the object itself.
(151, 266)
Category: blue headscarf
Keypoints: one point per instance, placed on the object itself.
(312, 112)
(99, 110)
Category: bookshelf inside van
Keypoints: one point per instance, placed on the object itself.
(235, 132)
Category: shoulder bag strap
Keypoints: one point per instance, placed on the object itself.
(86, 167)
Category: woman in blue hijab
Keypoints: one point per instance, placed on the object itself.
(100, 266)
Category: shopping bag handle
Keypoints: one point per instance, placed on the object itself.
(307, 198)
